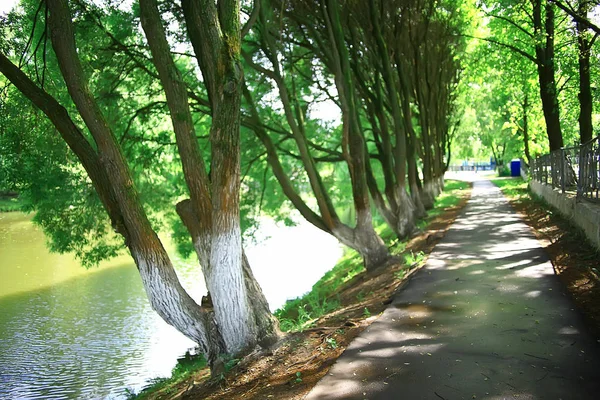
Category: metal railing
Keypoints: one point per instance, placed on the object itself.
(571, 169)
(472, 167)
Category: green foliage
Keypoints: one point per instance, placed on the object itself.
(230, 363)
(413, 260)
(366, 312)
(400, 274)
(503, 171)
(332, 343)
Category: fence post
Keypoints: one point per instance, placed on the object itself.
(580, 173)
(562, 169)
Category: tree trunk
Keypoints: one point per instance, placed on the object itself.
(405, 208)
(544, 50)
(413, 176)
(365, 241)
(212, 215)
(369, 244)
(526, 124)
(585, 93)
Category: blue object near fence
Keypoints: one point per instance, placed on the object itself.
(515, 168)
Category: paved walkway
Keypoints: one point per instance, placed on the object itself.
(486, 318)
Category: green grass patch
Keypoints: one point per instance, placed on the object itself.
(447, 199)
(302, 312)
(515, 188)
(184, 368)
(8, 204)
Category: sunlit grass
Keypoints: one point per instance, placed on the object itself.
(448, 198)
(184, 368)
(515, 188)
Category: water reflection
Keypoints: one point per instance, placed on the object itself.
(80, 337)
(67, 333)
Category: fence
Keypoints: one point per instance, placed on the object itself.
(472, 167)
(571, 169)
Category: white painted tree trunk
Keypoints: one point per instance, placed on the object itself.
(405, 213)
(428, 194)
(225, 282)
(170, 300)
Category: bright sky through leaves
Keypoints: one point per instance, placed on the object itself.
(7, 5)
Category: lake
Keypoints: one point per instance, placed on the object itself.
(67, 332)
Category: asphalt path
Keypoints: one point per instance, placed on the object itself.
(486, 318)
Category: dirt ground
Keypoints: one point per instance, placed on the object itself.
(299, 360)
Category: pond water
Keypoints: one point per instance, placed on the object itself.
(71, 333)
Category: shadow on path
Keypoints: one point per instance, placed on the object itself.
(486, 318)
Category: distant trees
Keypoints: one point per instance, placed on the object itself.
(539, 32)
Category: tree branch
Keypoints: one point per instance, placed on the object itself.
(508, 46)
(578, 18)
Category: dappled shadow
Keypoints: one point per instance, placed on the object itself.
(486, 319)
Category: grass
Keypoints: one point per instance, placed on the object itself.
(8, 204)
(446, 199)
(516, 188)
(184, 368)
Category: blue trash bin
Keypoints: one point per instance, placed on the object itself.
(515, 168)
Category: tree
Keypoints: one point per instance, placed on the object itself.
(237, 318)
(362, 237)
(533, 24)
(585, 41)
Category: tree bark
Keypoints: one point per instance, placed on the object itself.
(405, 207)
(214, 31)
(586, 130)
(373, 250)
(544, 50)
(526, 124)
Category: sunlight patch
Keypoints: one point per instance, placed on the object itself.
(536, 271)
(533, 294)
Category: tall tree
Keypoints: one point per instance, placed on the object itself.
(585, 41)
(533, 24)
(237, 318)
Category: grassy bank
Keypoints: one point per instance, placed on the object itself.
(322, 322)
(514, 188)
